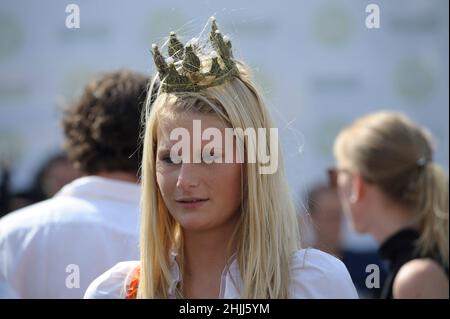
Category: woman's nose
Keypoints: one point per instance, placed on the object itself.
(188, 177)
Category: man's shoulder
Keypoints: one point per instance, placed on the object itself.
(53, 211)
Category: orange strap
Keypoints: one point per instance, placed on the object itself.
(134, 283)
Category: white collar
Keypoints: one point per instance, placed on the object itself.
(97, 186)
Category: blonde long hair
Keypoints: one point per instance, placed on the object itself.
(392, 152)
(267, 233)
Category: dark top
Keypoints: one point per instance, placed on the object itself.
(356, 263)
(399, 249)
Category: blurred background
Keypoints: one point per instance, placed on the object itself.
(317, 63)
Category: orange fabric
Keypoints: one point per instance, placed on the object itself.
(134, 283)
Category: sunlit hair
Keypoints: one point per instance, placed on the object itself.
(267, 232)
(395, 154)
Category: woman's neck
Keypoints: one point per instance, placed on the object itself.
(205, 256)
(394, 219)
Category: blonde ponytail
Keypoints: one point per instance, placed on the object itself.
(432, 211)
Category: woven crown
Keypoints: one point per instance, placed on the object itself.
(185, 71)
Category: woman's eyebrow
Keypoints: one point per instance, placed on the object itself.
(163, 150)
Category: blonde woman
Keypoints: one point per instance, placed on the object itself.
(215, 228)
(390, 187)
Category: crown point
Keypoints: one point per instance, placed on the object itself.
(217, 31)
(154, 46)
(212, 18)
(213, 54)
(226, 38)
(213, 26)
(175, 47)
(172, 33)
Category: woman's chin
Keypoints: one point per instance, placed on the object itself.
(193, 223)
(194, 227)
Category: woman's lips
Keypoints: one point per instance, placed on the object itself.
(192, 203)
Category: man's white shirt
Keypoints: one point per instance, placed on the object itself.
(56, 248)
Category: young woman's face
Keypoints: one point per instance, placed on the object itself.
(200, 196)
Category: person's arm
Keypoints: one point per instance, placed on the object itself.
(6, 292)
(421, 279)
(6, 261)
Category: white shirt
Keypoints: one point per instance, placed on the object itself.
(55, 248)
(313, 274)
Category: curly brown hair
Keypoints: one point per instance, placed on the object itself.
(102, 127)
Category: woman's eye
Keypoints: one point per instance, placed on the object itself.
(167, 160)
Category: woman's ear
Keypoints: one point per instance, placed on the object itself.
(358, 188)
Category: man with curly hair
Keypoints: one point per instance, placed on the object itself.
(55, 248)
